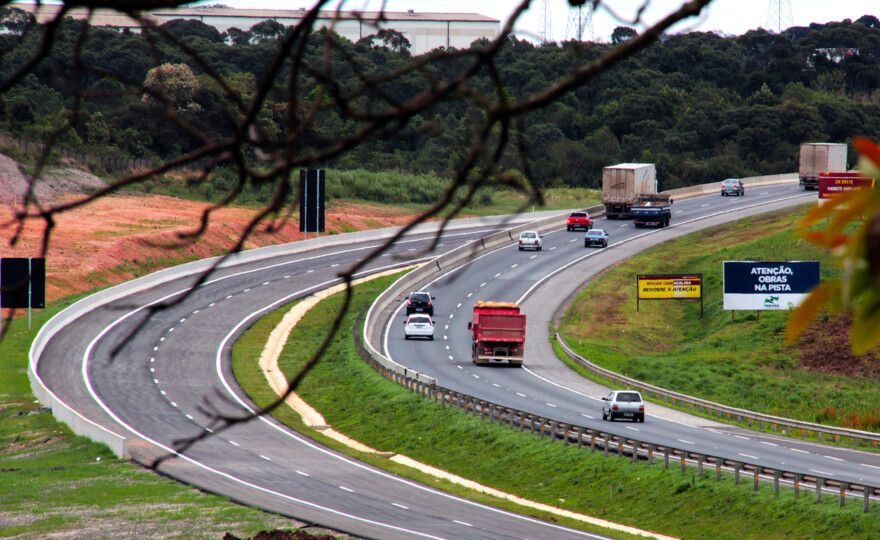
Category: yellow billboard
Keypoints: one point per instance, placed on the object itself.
(670, 287)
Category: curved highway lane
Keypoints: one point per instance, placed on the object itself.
(171, 379)
(541, 281)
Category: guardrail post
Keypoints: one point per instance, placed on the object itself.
(819, 483)
(512, 413)
(717, 470)
(757, 476)
(867, 495)
(843, 487)
(700, 465)
(635, 448)
(564, 428)
(482, 410)
(651, 448)
(607, 443)
(819, 435)
(580, 431)
(553, 425)
(592, 442)
(736, 467)
(620, 441)
(666, 457)
(683, 460)
(797, 486)
(776, 482)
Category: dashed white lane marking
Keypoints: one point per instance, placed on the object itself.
(872, 466)
(400, 506)
(246, 290)
(466, 524)
(703, 205)
(173, 404)
(520, 394)
(152, 359)
(533, 256)
(264, 457)
(451, 357)
(588, 416)
(496, 385)
(451, 315)
(183, 319)
(459, 367)
(228, 297)
(447, 347)
(475, 376)
(684, 441)
(554, 247)
(821, 472)
(171, 329)
(233, 443)
(496, 275)
(190, 417)
(302, 473)
(550, 405)
(632, 428)
(155, 348)
(741, 437)
(624, 225)
(162, 338)
(196, 311)
(266, 283)
(678, 212)
(209, 430)
(459, 305)
(804, 452)
(310, 271)
(343, 488)
(446, 327)
(750, 457)
(483, 284)
(212, 304)
(152, 370)
(287, 276)
(515, 265)
(162, 392)
(156, 381)
(763, 193)
(768, 443)
(834, 458)
(470, 294)
(571, 241)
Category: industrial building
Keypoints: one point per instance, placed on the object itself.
(425, 31)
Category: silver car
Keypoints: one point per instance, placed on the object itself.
(732, 186)
(418, 326)
(623, 404)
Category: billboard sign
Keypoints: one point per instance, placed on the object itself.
(22, 282)
(768, 285)
(835, 184)
(670, 286)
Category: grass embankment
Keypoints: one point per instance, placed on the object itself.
(358, 402)
(742, 363)
(56, 484)
(414, 192)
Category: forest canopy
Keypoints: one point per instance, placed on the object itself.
(701, 106)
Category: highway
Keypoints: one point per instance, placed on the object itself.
(171, 377)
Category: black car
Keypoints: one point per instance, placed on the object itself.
(732, 186)
(420, 302)
(596, 237)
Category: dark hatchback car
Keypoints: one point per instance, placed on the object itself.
(420, 302)
(732, 186)
(596, 237)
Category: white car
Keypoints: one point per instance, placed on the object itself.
(530, 240)
(418, 326)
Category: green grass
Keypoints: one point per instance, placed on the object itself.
(742, 363)
(56, 484)
(358, 402)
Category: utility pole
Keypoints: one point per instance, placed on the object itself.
(580, 23)
(545, 23)
(779, 16)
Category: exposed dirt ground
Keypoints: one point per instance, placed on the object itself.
(107, 241)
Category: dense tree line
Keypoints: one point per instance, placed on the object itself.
(699, 105)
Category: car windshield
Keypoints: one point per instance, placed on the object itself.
(628, 397)
(596, 232)
(528, 235)
(579, 214)
(420, 297)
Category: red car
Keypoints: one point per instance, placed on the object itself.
(579, 220)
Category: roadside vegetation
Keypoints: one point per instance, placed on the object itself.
(356, 401)
(737, 359)
(55, 484)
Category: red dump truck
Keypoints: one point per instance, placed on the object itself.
(499, 333)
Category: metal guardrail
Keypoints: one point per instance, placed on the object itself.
(744, 417)
(609, 444)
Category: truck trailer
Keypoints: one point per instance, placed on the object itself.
(499, 333)
(655, 210)
(817, 158)
(622, 185)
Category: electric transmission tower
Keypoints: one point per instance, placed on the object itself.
(779, 16)
(545, 23)
(580, 23)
